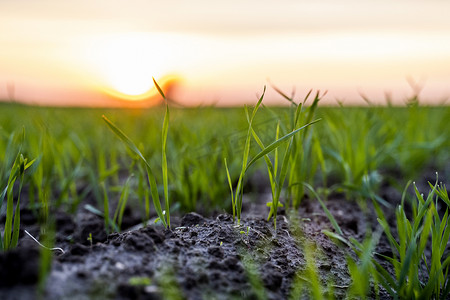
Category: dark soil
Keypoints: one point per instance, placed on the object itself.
(200, 258)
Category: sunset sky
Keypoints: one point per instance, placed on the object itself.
(82, 52)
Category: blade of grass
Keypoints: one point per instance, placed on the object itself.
(272, 171)
(105, 208)
(336, 236)
(283, 94)
(239, 189)
(383, 222)
(277, 136)
(10, 204)
(9, 218)
(311, 271)
(231, 189)
(159, 89)
(406, 265)
(281, 179)
(445, 233)
(165, 130)
(277, 143)
(327, 212)
(16, 227)
(120, 209)
(151, 178)
(164, 162)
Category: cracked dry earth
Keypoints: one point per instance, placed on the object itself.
(200, 258)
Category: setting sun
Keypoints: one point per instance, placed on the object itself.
(125, 63)
(151, 93)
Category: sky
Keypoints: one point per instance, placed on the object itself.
(105, 53)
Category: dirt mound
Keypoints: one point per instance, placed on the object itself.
(199, 258)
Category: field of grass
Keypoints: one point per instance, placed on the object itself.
(55, 158)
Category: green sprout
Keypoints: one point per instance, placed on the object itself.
(164, 216)
(408, 250)
(139, 281)
(90, 239)
(236, 199)
(12, 223)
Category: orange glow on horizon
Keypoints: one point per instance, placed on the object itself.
(151, 95)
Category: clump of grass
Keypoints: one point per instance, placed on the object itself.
(413, 239)
(306, 155)
(236, 199)
(426, 229)
(164, 216)
(10, 236)
(276, 178)
(276, 182)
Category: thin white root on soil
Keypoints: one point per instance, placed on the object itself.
(51, 249)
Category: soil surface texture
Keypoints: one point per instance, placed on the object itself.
(199, 258)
